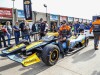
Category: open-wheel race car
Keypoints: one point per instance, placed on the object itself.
(46, 49)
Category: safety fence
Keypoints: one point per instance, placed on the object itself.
(35, 36)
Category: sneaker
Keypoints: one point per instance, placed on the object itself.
(96, 49)
(10, 44)
(62, 55)
(6, 46)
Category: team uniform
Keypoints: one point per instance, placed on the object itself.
(64, 32)
(96, 31)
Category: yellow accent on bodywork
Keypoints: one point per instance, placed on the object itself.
(53, 34)
(15, 47)
(73, 37)
(31, 60)
(33, 44)
(83, 41)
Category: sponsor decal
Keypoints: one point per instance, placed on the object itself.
(20, 14)
(53, 34)
(6, 12)
(53, 17)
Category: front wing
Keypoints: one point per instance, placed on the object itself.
(32, 59)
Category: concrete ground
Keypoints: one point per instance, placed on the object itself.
(84, 62)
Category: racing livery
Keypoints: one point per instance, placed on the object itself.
(46, 49)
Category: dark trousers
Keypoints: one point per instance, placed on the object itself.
(17, 36)
(96, 38)
(27, 37)
(22, 33)
(41, 35)
(3, 39)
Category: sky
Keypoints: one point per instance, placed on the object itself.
(74, 8)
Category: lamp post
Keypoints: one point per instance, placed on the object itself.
(46, 9)
(13, 13)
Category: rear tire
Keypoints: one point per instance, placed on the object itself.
(50, 55)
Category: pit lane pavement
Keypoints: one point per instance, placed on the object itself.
(84, 62)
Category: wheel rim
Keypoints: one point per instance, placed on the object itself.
(54, 55)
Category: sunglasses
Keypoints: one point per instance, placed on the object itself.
(63, 23)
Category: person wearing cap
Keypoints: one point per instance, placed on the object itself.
(96, 31)
(16, 32)
(64, 34)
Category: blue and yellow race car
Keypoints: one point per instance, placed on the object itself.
(46, 49)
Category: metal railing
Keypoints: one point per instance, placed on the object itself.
(35, 34)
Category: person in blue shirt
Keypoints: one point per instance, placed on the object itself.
(76, 27)
(16, 32)
(88, 26)
(81, 27)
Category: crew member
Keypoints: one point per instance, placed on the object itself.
(64, 33)
(96, 31)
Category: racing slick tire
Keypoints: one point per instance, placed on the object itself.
(50, 54)
(24, 41)
(86, 42)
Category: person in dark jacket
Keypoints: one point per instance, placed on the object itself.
(42, 28)
(33, 31)
(34, 27)
(21, 26)
(2, 36)
(16, 32)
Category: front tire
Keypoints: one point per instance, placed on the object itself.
(50, 55)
